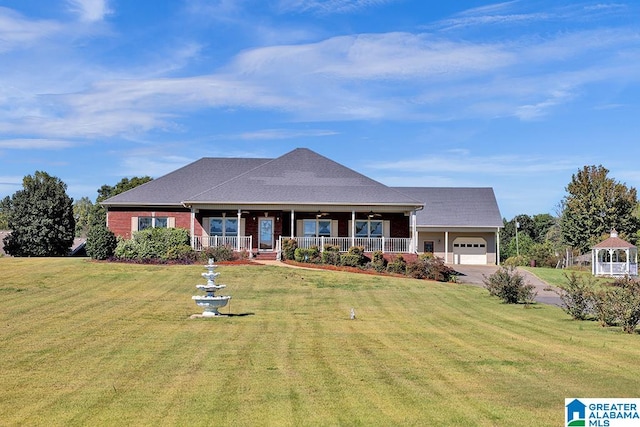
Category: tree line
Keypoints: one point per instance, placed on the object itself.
(44, 220)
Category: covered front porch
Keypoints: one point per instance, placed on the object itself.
(262, 230)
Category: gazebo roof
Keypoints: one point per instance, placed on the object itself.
(614, 242)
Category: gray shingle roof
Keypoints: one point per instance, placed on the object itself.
(194, 178)
(456, 206)
(305, 177)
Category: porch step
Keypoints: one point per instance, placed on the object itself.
(266, 256)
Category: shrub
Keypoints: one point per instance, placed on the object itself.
(310, 255)
(355, 257)
(429, 267)
(181, 253)
(101, 242)
(151, 244)
(628, 303)
(606, 305)
(289, 249)
(577, 296)
(378, 263)
(516, 261)
(331, 255)
(510, 286)
(218, 253)
(398, 265)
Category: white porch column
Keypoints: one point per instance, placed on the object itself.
(497, 246)
(594, 260)
(293, 222)
(239, 221)
(353, 228)
(446, 247)
(414, 232)
(192, 226)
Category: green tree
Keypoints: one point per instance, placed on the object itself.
(594, 205)
(40, 217)
(101, 242)
(83, 212)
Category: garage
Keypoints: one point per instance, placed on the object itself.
(470, 250)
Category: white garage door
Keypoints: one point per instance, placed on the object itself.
(470, 250)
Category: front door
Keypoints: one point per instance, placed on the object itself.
(265, 237)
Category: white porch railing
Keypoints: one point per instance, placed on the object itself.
(370, 244)
(616, 269)
(243, 243)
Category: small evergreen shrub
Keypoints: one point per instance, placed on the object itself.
(181, 253)
(355, 257)
(378, 262)
(398, 265)
(510, 286)
(218, 253)
(289, 247)
(310, 255)
(331, 255)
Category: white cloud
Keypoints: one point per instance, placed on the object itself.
(16, 31)
(90, 10)
(35, 144)
(329, 7)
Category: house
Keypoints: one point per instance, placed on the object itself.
(252, 204)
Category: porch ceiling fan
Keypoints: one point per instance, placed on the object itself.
(321, 214)
(374, 215)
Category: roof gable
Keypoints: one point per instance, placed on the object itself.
(302, 176)
(194, 178)
(456, 206)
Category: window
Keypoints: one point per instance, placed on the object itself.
(152, 222)
(223, 226)
(317, 227)
(369, 228)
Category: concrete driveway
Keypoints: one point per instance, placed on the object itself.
(475, 274)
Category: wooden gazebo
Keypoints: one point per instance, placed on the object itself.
(614, 257)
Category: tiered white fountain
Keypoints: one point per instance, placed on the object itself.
(210, 302)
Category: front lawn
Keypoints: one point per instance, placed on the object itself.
(86, 343)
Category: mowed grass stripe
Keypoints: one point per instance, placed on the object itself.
(112, 344)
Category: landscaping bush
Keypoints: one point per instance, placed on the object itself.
(510, 286)
(627, 303)
(218, 253)
(181, 253)
(289, 247)
(331, 255)
(577, 296)
(355, 257)
(429, 267)
(151, 244)
(605, 303)
(398, 265)
(311, 255)
(517, 261)
(378, 262)
(101, 242)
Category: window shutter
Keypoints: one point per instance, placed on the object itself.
(134, 223)
(350, 228)
(334, 228)
(386, 228)
(299, 228)
(171, 222)
(242, 221)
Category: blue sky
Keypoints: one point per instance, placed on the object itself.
(517, 95)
